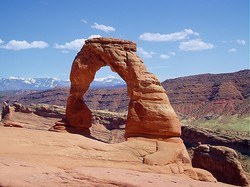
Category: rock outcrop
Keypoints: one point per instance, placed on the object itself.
(222, 162)
(149, 113)
(63, 159)
(193, 136)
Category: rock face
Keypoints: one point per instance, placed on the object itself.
(210, 95)
(222, 162)
(149, 113)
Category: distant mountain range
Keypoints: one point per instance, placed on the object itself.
(194, 97)
(108, 82)
(18, 83)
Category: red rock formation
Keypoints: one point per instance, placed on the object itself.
(167, 156)
(222, 162)
(149, 113)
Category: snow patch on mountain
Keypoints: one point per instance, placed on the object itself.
(19, 83)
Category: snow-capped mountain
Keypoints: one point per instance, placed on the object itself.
(18, 83)
(107, 82)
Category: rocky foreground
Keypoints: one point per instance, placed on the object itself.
(31, 155)
(41, 158)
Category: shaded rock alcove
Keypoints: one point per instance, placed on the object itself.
(150, 114)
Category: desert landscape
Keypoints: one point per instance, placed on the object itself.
(124, 93)
(76, 146)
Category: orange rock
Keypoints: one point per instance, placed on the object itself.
(149, 113)
(222, 162)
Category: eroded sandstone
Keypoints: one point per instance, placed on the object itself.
(222, 162)
(149, 112)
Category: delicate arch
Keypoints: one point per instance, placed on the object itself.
(149, 112)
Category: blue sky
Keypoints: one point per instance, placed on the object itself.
(40, 38)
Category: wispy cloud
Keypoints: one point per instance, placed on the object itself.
(94, 36)
(232, 50)
(167, 56)
(145, 54)
(164, 56)
(65, 51)
(20, 45)
(172, 53)
(195, 45)
(157, 37)
(75, 44)
(102, 27)
(241, 42)
(84, 21)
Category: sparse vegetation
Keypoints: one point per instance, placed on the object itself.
(228, 123)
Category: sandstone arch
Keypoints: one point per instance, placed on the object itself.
(149, 112)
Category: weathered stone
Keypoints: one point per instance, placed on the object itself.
(222, 162)
(21, 108)
(7, 111)
(149, 113)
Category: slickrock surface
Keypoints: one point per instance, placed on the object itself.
(41, 158)
(222, 162)
(149, 112)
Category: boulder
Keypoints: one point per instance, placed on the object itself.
(222, 162)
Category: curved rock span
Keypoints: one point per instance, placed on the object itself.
(150, 114)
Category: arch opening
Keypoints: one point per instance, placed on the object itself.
(107, 92)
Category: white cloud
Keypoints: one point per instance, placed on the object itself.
(172, 53)
(64, 51)
(94, 36)
(241, 42)
(19, 45)
(167, 56)
(84, 21)
(195, 45)
(145, 54)
(75, 44)
(164, 57)
(232, 50)
(156, 37)
(102, 27)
